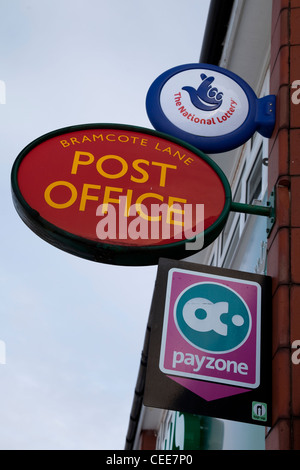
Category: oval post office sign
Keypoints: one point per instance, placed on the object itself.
(120, 194)
(208, 107)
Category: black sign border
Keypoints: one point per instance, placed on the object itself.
(162, 392)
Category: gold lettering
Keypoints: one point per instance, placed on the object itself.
(77, 160)
(51, 203)
(163, 172)
(174, 210)
(121, 173)
(85, 196)
(144, 173)
(139, 202)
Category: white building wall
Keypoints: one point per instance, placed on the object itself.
(242, 245)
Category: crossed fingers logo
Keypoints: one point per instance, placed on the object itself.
(205, 97)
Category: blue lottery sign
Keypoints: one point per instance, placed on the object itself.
(209, 107)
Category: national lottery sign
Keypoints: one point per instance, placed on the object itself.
(210, 343)
(209, 107)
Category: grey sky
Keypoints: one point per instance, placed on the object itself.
(74, 329)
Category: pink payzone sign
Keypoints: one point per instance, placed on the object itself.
(211, 332)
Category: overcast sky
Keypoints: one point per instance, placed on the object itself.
(74, 329)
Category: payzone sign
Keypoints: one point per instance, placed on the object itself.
(211, 329)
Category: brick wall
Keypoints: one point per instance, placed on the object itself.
(284, 242)
(147, 440)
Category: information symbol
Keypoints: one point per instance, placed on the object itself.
(259, 411)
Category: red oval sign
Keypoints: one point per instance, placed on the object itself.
(119, 194)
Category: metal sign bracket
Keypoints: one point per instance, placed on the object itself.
(267, 211)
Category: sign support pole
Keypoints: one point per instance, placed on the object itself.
(251, 209)
(265, 211)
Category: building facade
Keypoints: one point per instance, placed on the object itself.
(260, 42)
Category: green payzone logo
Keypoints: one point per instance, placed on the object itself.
(212, 317)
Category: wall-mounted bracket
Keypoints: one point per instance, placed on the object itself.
(266, 211)
(272, 218)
